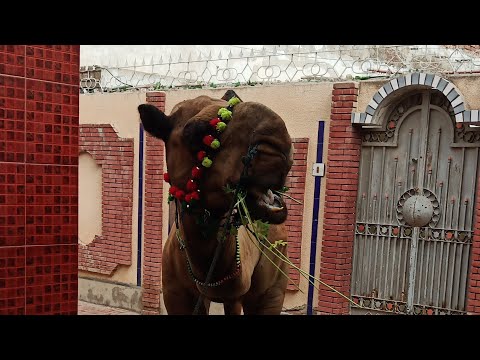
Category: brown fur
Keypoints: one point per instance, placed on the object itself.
(260, 287)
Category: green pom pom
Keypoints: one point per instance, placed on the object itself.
(226, 115)
(221, 110)
(221, 126)
(215, 144)
(206, 162)
(233, 101)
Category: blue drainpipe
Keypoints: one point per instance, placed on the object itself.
(316, 207)
(140, 207)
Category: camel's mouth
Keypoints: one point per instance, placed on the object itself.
(272, 201)
(267, 205)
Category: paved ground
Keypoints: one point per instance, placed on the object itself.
(85, 308)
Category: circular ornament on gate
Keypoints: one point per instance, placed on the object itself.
(418, 208)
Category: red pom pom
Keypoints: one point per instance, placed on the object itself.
(196, 172)
(173, 190)
(207, 139)
(166, 177)
(188, 197)
(191, 185)
(214, 122)
(201, 154)
(195, 195)
(180, 195)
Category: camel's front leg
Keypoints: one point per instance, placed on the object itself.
(182, 302)
(232, 307)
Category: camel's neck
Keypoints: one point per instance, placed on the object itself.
(201, 246)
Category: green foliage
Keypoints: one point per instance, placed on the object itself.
(261, 229)
(233, 230)
(228, 189)
(277, 243)
(361, 77)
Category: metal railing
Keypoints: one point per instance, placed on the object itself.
(287, 64)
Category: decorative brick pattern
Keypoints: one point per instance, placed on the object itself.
(296, 184)
(152, 249)
(340, 201)
(38, 179)
(473, 295)
(430, 80)
(115, 155)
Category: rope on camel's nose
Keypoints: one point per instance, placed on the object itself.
(247, 159)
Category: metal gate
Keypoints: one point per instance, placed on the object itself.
(415, 210)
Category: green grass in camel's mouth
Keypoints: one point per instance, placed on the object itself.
(259, 230)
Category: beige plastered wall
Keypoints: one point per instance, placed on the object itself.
(301, 106)
(120, 111)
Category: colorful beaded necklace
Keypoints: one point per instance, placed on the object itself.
(190, 195)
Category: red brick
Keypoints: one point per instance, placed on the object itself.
(349, 92)
(344, 104)
(345, 85)
(341, 117)
(341, 111)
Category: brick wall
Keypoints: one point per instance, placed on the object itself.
(114, 246)
(473, 297)
(152, 249)
(340, 201)
(296, 184)
(39, 87)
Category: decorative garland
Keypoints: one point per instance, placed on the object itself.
(190, 196)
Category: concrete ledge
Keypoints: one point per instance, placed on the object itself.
(112, 294)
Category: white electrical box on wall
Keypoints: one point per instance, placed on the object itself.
(318, 169)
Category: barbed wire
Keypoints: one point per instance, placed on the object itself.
(280, 65)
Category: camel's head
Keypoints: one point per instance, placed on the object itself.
(252, 124)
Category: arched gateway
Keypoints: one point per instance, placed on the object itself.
(416, 198)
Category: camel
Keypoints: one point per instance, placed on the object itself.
(243, 278)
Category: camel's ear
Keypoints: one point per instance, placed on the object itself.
(194, 131)
(230, 94)
(155, 122)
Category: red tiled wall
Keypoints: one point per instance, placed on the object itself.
(473, 300)
(340, 201)
(296, 184)
(39, 88)
(114, 246)
(152, 250)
